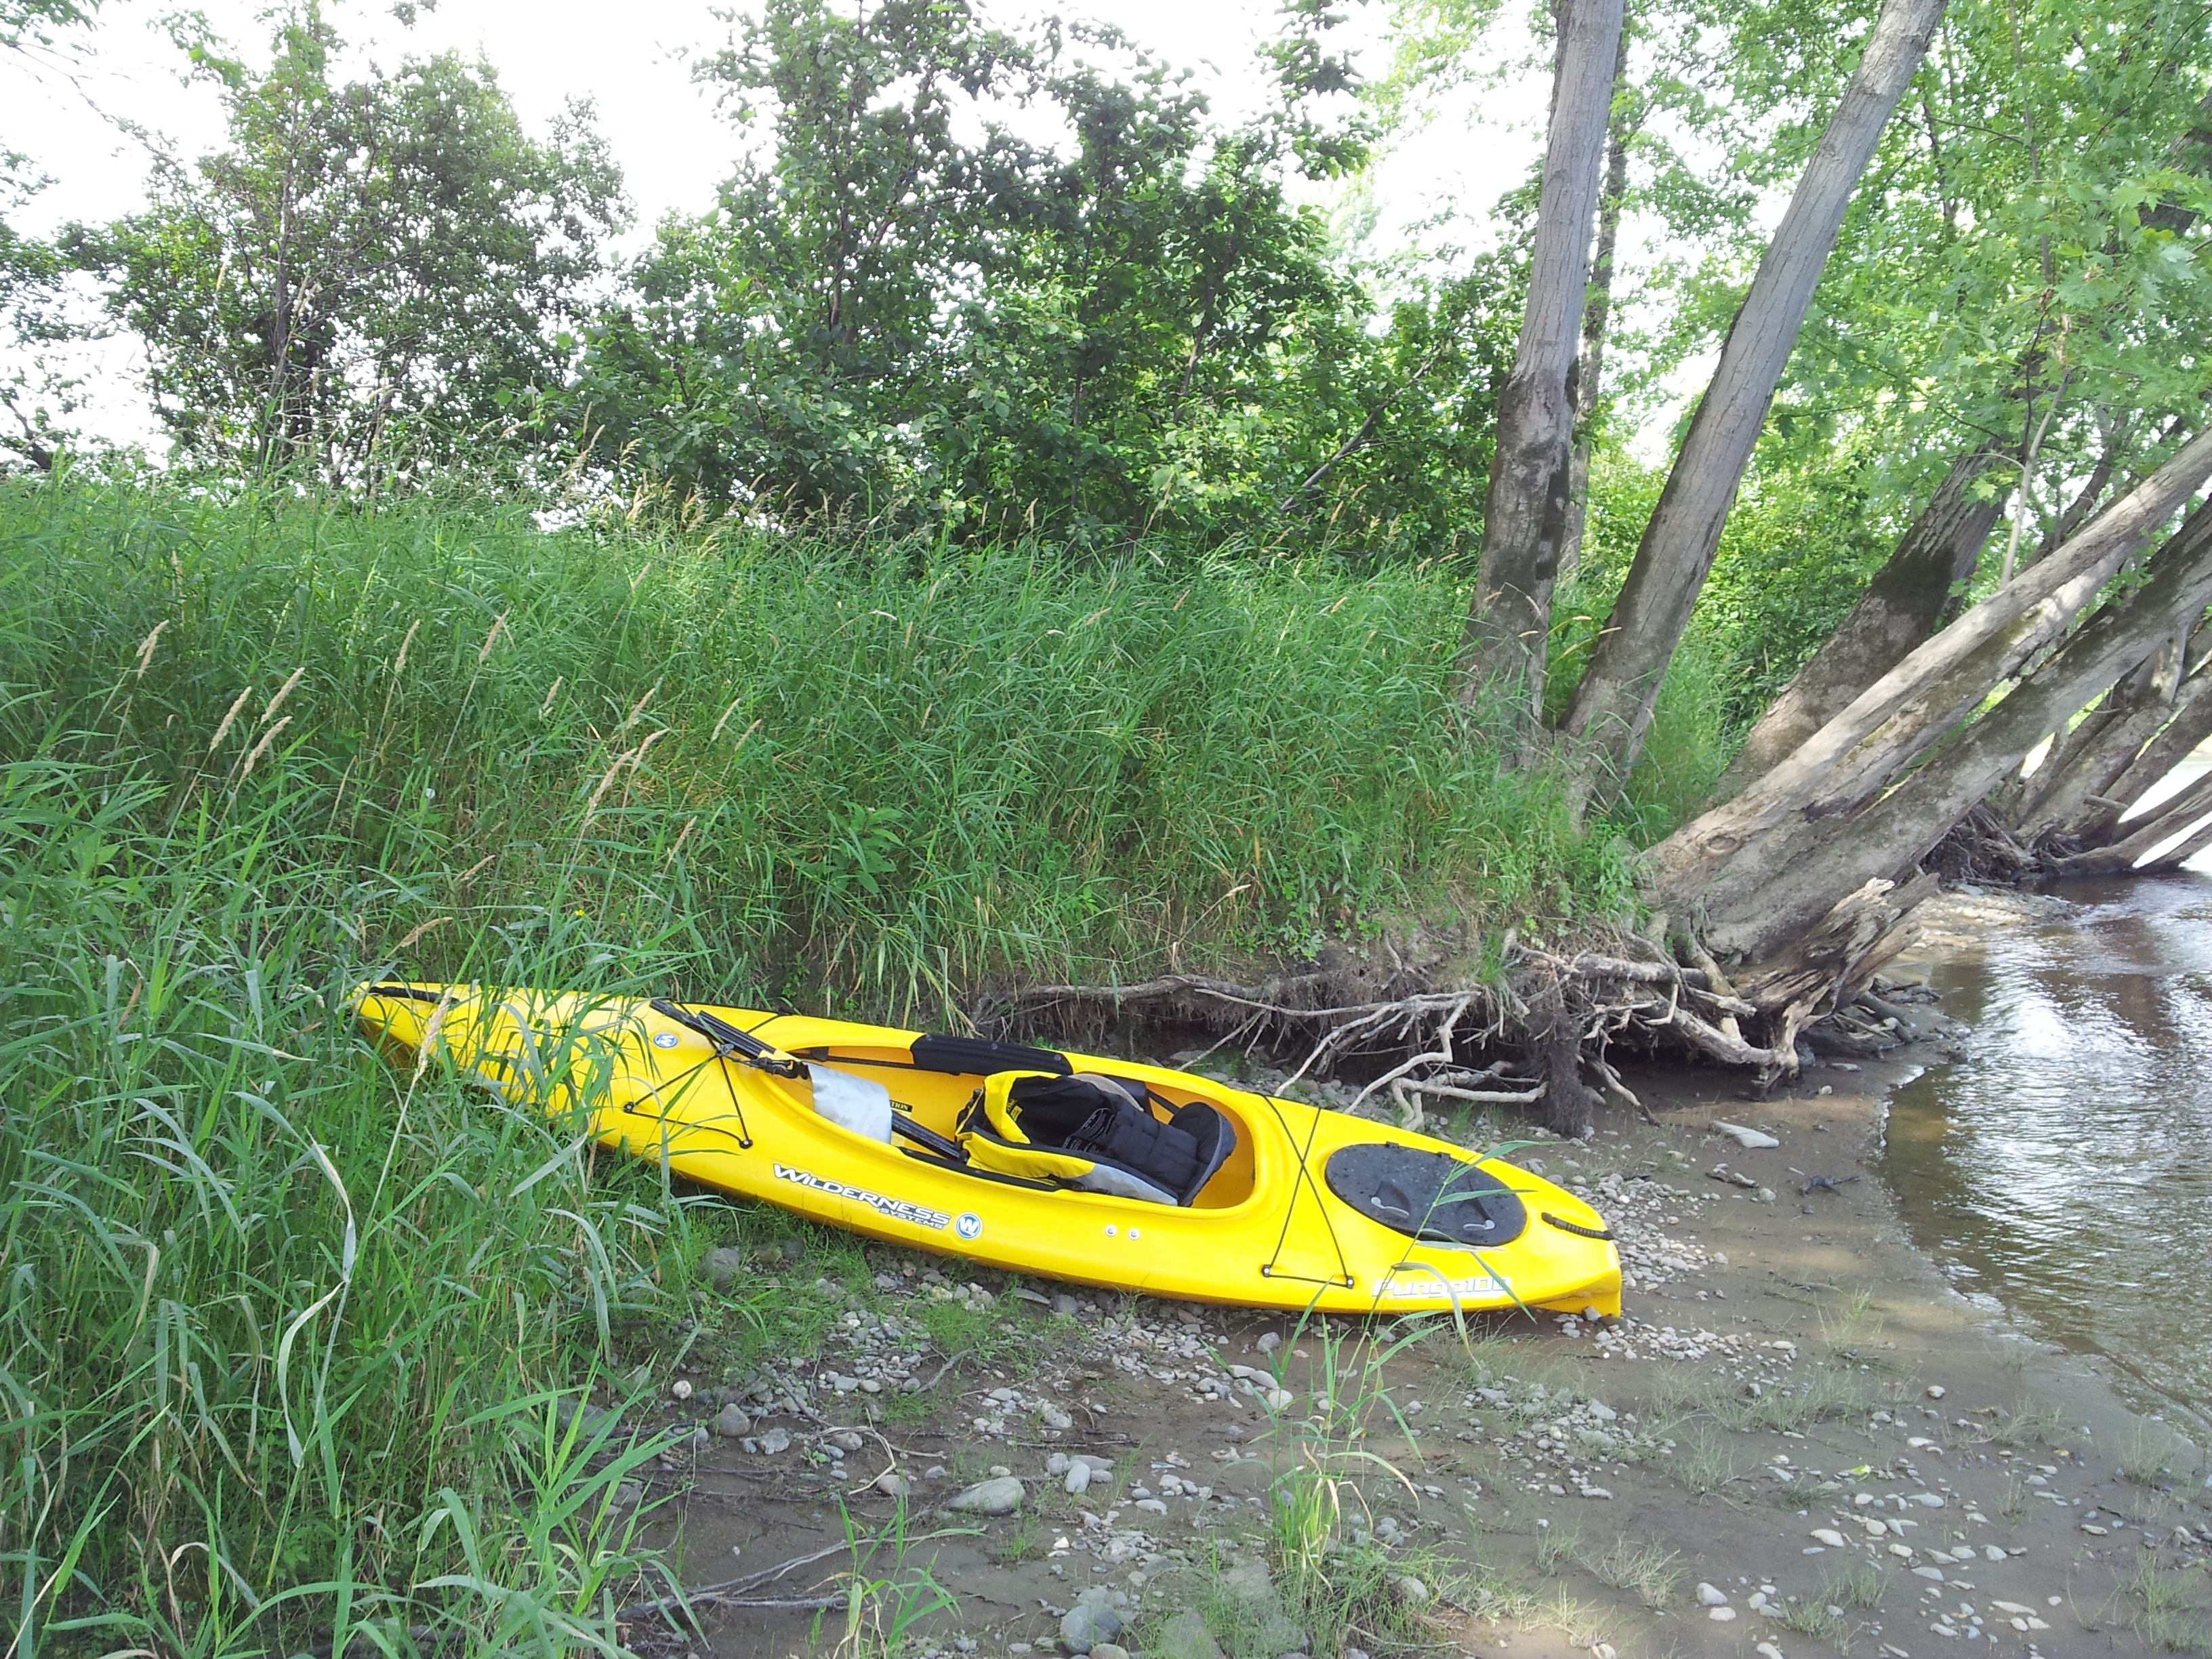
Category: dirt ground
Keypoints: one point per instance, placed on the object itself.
(1797, 1414)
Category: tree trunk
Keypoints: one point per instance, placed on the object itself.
(1525, 511)
(2085, 763)
(1910, 598)
(1556, 1013)
(1611, 706)
(1734, 847)
(1597, 314)
(1776, 891)
(2085, 499)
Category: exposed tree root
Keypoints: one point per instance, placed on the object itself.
(1434, 1038)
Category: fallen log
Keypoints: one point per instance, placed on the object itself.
(1909, 599)
(2189, 725)
(2176, 857)
(1827, 1034)
(2123, 855)
(2085, 764)
(1719, 863)
(1759, 905)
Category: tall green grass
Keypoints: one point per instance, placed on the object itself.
(282, 1328)
(880, 776)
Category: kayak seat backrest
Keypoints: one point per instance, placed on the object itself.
(1095, 1133)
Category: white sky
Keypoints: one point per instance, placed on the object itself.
(672, 147)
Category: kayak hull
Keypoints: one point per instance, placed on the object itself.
(1269, 1231)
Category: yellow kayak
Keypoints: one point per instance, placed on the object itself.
(1073, 1166)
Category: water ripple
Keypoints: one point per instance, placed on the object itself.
(2068, 1161)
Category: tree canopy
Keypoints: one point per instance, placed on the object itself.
(993, 281)
(900, 307)
(371, 273)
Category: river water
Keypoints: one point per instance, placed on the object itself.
(2065, 1166)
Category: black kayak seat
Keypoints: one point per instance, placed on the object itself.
(1097, 1133)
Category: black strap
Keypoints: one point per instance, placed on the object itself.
(922, 1135)
(980, 1173)
(1564, 1226)
(408, 992)
(729, 1041)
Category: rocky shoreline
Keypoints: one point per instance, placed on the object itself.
(1798, 1439)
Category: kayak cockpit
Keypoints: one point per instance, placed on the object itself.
(954, 1120)
(1429, 1196)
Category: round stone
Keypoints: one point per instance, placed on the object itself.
(1001, 1495)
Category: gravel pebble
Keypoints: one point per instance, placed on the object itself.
(725, 1264)
(1091, 1621)
(1185, 1637)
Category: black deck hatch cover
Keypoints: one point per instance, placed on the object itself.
(1426, 1196)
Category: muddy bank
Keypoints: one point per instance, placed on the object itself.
(1800, 1439)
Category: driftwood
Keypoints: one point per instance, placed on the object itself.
(1656, 1002)
(2189, 727)
(738, 1592)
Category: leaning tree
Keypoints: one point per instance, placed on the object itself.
(2039, 319)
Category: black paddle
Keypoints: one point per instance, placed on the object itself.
(729, 1042)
